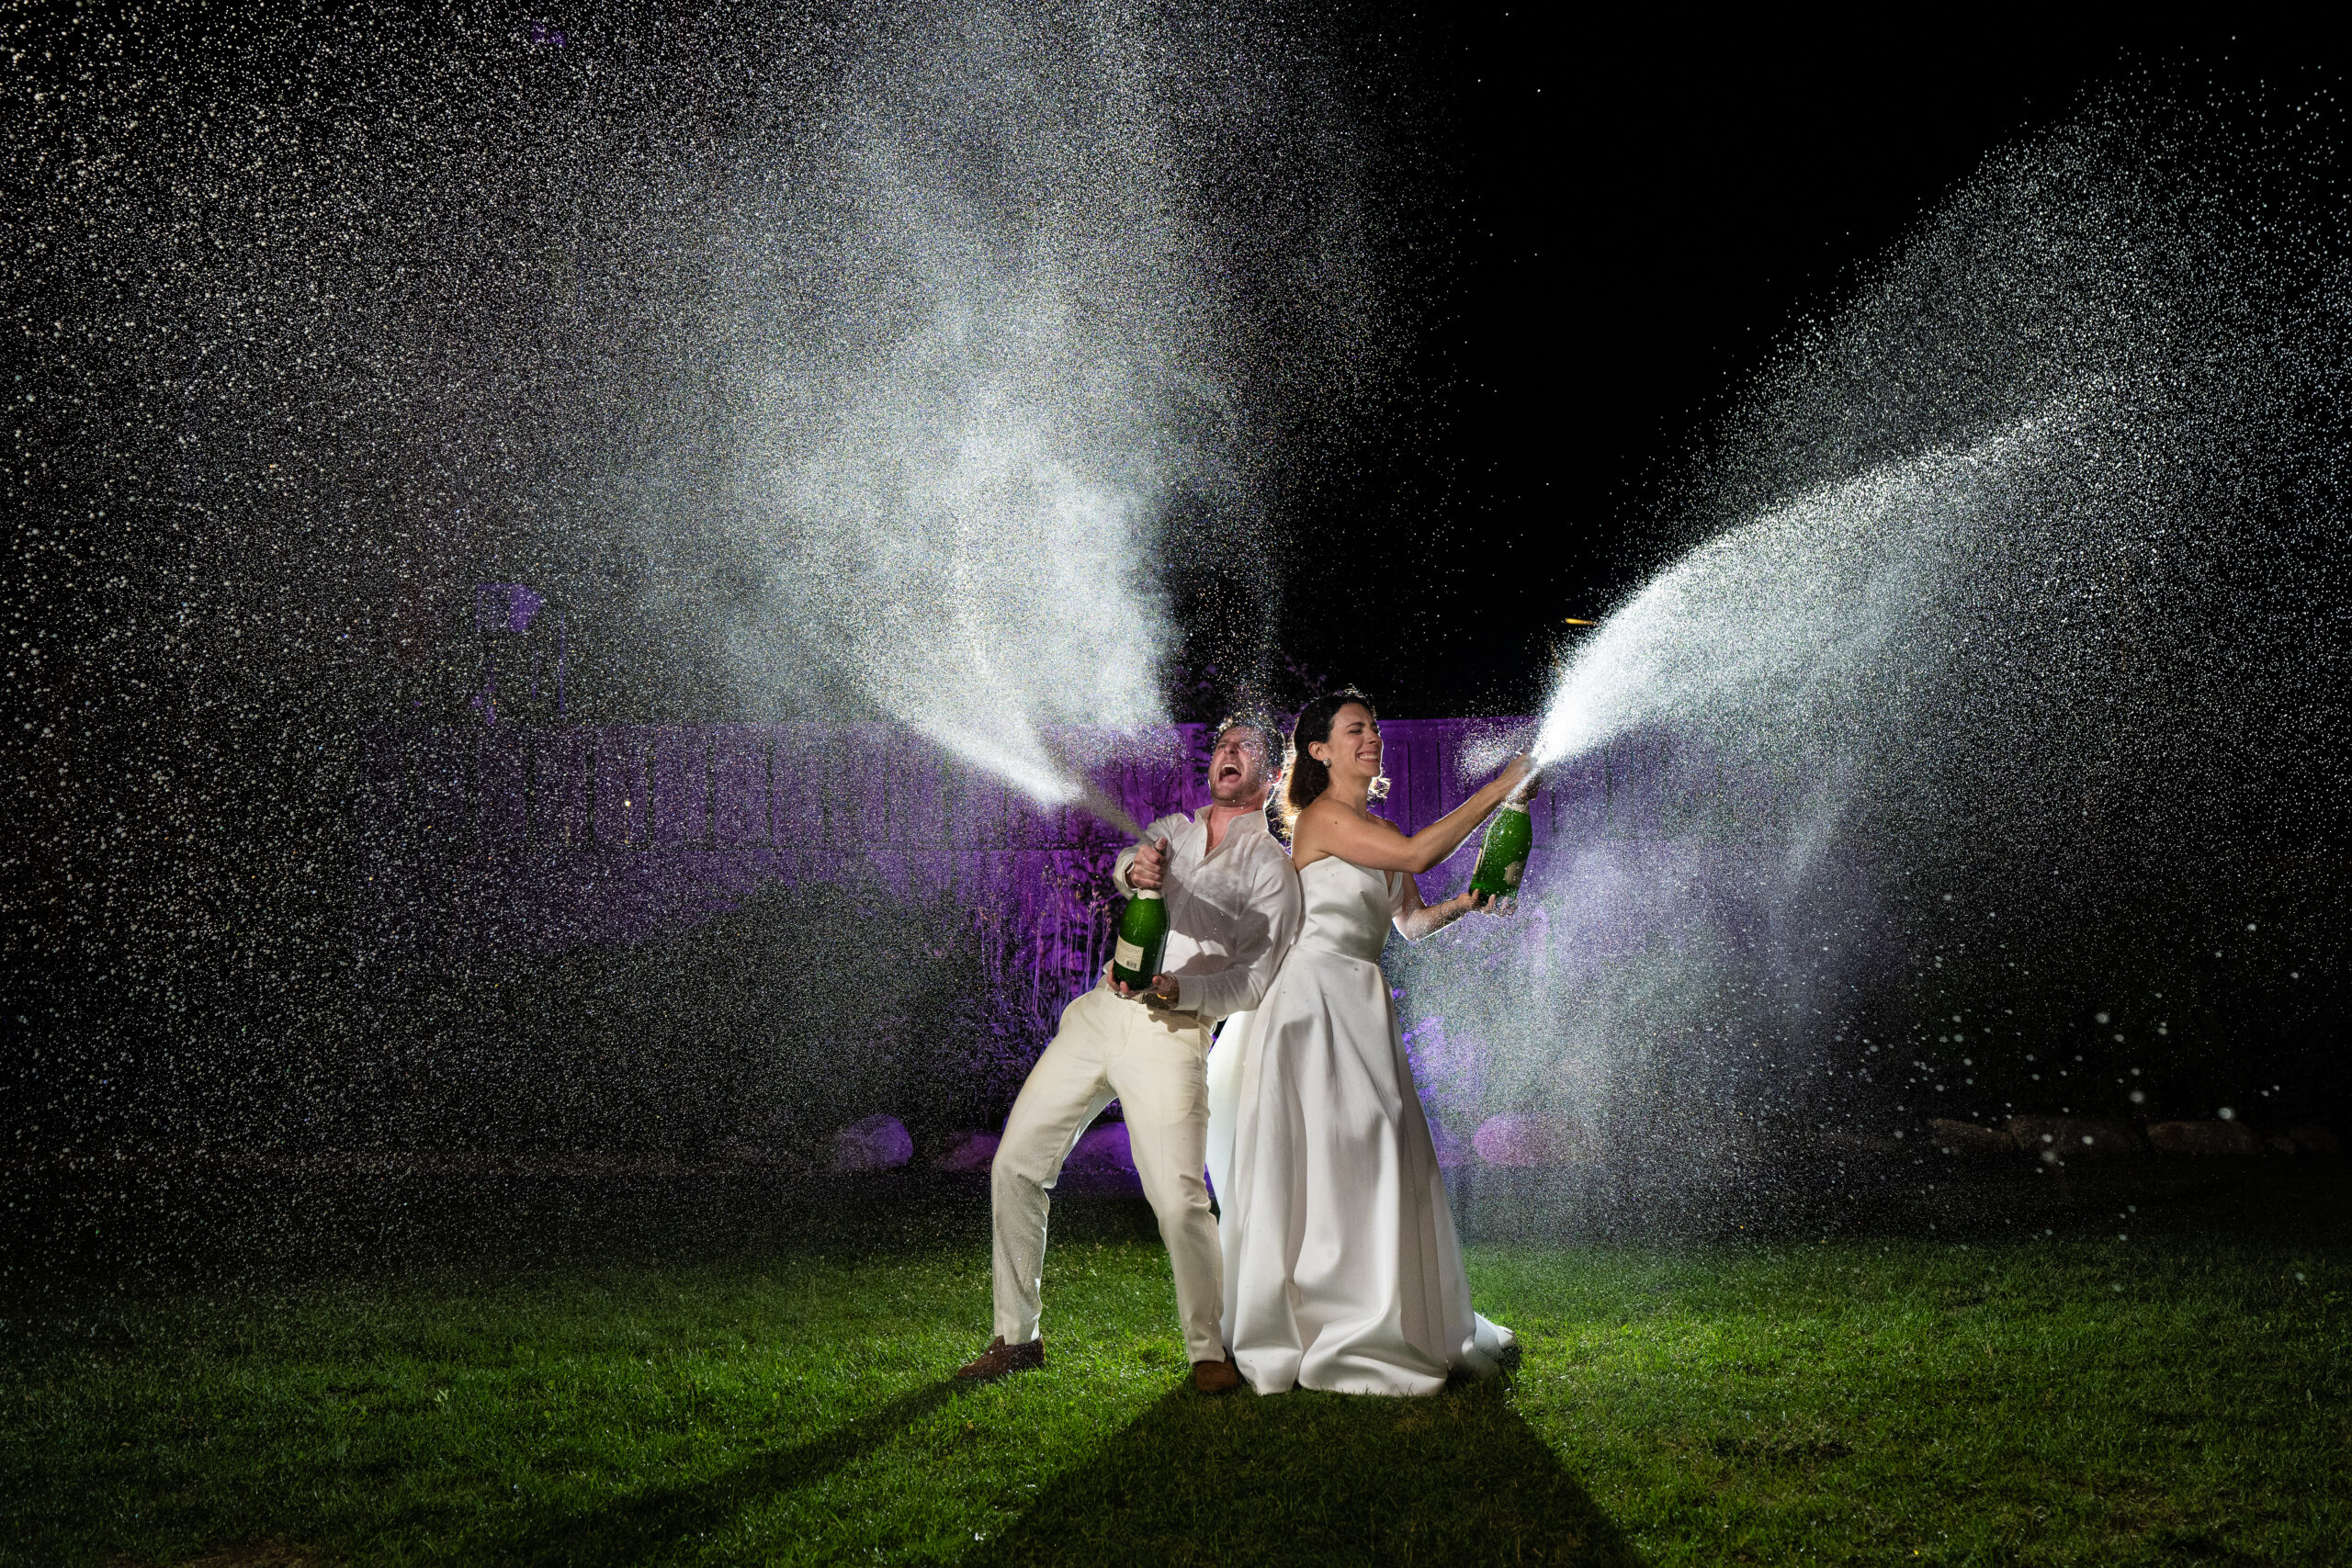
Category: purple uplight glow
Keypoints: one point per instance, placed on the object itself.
(536, 838)
(505, 606)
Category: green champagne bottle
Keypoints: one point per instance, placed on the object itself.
(1502, 859)
(1143, 939)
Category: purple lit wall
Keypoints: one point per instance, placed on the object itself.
(536, 836)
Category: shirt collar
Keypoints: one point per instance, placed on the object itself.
(1256, 819)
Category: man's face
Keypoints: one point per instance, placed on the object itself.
(1237, 768)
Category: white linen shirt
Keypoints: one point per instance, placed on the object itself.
(1231, 915)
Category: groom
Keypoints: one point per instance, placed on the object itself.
(1233, 907)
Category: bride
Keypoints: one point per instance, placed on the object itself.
(1341, 1267)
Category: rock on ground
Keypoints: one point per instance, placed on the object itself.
(2204, 1138)
(874, 1143)
(1968, 1139)
(2311, 1139)
(2075, 1137)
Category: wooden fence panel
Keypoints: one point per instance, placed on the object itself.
(562, 785)
(621, 794)
(502, 791)
(444, 787)
(739, 785)
(680, 777)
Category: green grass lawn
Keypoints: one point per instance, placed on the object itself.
(2072, 1398)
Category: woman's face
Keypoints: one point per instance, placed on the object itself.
(1353, 751)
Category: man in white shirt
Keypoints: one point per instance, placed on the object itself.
(1233, 907)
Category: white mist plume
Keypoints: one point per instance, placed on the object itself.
(2003, 669)
(980, 339)
(955, 471)
(968, 535)
(1759, 627)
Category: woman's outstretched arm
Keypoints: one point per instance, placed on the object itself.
(1328, 827)
(1416, 920)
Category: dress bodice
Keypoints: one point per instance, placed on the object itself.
(1348, 907)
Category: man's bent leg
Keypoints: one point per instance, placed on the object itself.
(1161, 1078)
(1065, 1091)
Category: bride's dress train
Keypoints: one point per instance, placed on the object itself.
(1341, 1267)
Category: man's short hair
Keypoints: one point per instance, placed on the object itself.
(1270, 746)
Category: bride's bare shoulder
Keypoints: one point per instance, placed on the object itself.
(1312, 828)
(1322, 812)
(1325, 819)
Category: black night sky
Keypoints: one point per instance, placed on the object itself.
(1634, 223)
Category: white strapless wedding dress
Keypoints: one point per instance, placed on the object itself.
(1341, 1267)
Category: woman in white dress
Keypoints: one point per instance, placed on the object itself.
(1341, 1267)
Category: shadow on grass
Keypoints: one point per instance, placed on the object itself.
(639, 1527)
(1321, 1478)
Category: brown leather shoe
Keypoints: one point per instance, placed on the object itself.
(1000, 1358)
(1216, 1377)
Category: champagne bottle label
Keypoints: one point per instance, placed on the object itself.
(1511, 873)
(1142, 939)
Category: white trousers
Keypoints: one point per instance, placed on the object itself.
(1154, 1063)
